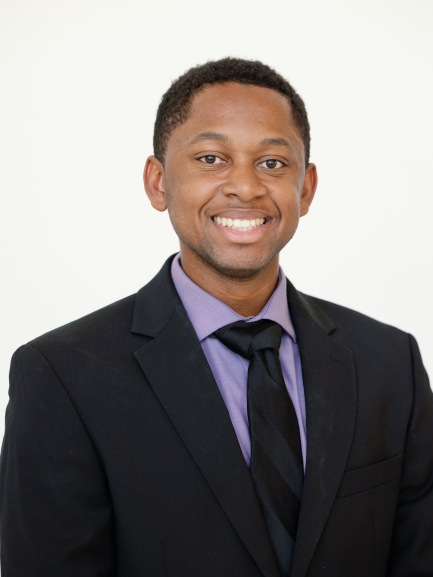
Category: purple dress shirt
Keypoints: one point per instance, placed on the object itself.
(208, 314)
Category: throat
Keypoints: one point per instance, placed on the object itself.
(248, 304)
(245, 293)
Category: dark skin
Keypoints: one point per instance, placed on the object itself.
(238, 156)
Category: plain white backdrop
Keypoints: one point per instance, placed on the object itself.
(80, 84)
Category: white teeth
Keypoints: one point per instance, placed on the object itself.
(239, 224)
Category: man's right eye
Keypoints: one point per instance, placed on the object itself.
(211, 159)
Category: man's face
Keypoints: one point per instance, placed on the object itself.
(234, 177)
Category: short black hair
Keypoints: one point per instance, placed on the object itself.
(175, 103)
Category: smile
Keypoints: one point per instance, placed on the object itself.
(240, 224)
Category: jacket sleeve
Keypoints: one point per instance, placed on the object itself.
(411, 553)
(55, 509)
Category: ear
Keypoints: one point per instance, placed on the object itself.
(153, 178)
(309, 188)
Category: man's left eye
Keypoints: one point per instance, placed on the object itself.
(271, 163)
(211, 159)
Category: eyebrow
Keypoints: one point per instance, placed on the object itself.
(210, 136)
(276, 142)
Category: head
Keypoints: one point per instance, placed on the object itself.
(231, 164)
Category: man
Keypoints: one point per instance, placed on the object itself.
(219, 422)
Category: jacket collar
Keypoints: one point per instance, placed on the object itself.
(156, 303)
(309, 305)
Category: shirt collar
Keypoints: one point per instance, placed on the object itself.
(208, 314)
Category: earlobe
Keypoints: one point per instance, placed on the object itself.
(153, 178)
(309, 188)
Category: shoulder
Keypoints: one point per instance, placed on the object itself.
(343, 316)
(113, 332)
(361, 332)
(109, 324)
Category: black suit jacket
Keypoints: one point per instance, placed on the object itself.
(120, 459)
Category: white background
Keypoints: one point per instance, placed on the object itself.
(80, 84)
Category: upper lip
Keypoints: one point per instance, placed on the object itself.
(242, 213)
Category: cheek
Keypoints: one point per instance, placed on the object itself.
(192, 196)
(288, 204)
(186, 202)
(185, 209)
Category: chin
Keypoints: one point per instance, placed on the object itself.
(233, 266)
(242, 263)
(237, 273)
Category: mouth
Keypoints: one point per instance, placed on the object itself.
(241, 225)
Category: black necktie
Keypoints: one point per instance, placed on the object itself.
(276, 455)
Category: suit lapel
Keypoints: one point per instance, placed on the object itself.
(177, 370)
(328, 374)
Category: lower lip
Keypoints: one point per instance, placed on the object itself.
(243, 237)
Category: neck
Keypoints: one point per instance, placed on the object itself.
(246, 296)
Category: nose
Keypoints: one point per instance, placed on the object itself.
(244, 183)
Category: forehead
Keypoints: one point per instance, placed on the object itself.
(230, 102)
(243, 112)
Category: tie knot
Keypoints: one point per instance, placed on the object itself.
(247, 338)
